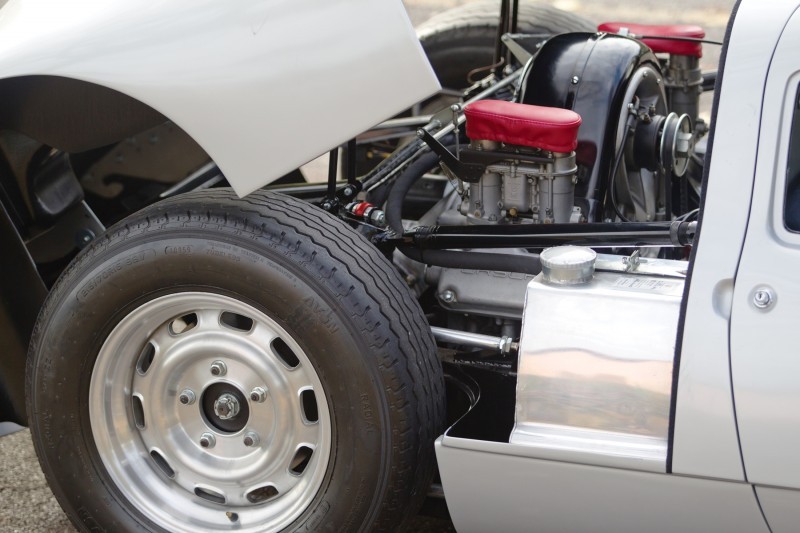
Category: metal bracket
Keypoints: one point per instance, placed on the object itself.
(522, 55)
(465, 171)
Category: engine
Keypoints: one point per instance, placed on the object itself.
(585, 141)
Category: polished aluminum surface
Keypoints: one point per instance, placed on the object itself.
(595, 368)
(150, 443)
(568, 265)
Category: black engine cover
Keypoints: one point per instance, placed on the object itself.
(589, 74)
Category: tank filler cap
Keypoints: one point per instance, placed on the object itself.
(568, 265)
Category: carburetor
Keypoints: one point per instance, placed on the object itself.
(529, 159)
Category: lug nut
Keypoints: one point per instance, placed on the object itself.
(207, 440)
(187, 397)
(251, 439)
(258, 395)
(218, 368)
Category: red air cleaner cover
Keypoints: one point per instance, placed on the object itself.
(548, 128)
(684, 48)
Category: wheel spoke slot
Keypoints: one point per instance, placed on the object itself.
(210, 495)
(236, 321)
(300, 460)
(262, 494)
(308, 402)
(282, 350)
(182, 324)
(146, 358)
(138, 412)
(162, 464)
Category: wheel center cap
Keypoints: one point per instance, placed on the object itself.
(226, 406)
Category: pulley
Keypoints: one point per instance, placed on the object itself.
(664, 143)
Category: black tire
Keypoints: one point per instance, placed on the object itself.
(463, 38)
(336, 296)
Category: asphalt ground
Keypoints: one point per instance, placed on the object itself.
(26, 503)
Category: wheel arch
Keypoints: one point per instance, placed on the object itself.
(71, 114)
(68, 114)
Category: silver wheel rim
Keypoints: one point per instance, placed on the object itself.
(150, 442)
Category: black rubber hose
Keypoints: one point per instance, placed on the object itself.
(403, 184)
(529, 264)
(398, 158)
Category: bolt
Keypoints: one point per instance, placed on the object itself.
(378, 218)
(187, 397)
(763, 298)
(207, 440)
(226, 406)
(218, 368)
(575, 80)
(251, 439)
(448, 296)
(259, 394)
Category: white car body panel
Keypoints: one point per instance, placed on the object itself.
(764, 355)
(330, 69)
(705, 436)
(528, 494)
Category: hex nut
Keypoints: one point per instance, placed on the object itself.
(258, 395)
(251, 439)
(187, 397)
(208, 440)
(218, 368)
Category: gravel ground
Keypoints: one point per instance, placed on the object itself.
(26, 503)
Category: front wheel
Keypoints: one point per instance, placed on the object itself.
(221, 364)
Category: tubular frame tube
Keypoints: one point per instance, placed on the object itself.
(523, 264)
(464, 338)
(596, 235)
(333, 167)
